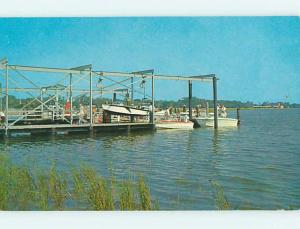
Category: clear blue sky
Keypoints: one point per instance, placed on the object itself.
(256, 58)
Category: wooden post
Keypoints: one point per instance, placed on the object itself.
(190, 100)
(238, 115)
(215, 102)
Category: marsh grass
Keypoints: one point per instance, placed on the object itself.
(4, 182)
(84, 188)
(43, 193)
(144, 193)
(127, 199)
(220, 198)
(22, 188)
(58, 188)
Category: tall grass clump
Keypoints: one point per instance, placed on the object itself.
(58, 188)
(43, 193)
(21, 188)
(127, 199)
(4, 182)
(220, 198)
(144, 194)
(77, 189)
(98, 191)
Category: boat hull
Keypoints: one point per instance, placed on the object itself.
(175, 125)
(124, 110)
(222, 122)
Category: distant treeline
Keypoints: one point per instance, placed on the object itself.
(84, 100)
(227, 103)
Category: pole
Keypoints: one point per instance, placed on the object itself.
(6, 102)
(114, 97)
(238, 115)
(206, 110)
(215, 102)
(42, 107)
(71, 100)
(1, 108)
(131, 90)
(190, 100)
(56, 116)
(91, 100)
(131, 117)
(153, 108)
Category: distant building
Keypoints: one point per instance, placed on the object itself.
(278, 106)
(262, 106)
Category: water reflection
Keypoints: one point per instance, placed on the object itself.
(257, 163)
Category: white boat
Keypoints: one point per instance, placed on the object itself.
(174, 124)
(222, 122)
(124, 110)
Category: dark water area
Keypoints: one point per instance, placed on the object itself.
(257, 165)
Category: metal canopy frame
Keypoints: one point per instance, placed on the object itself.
(87, 70)
(83, 69)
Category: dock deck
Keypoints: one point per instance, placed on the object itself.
(68, 128)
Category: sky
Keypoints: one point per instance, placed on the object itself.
(255, 58)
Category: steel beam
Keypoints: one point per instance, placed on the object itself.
(91, 98)
(83, 67)
(190, 100)
(205, 78)
(144, 72)
(132, 90)
(152, 114)
(43, 69)
(141, 74)
(6, 100)
(71, 99)
(215, 102)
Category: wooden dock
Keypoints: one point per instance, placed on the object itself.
(75, 128)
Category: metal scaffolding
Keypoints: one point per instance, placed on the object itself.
(95, 88)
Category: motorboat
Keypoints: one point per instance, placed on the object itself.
(174, 124)
(125, 110)
(222, 122)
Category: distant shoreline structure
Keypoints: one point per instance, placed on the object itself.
(278, 106)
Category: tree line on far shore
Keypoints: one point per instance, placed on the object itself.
(18, 103)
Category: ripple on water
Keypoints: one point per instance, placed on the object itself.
(257, 165)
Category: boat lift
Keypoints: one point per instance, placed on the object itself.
(86, 72)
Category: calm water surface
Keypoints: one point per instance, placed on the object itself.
(257, 165)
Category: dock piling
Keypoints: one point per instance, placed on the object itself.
(238, 115)
(215, 102)
(190, 100)
(152, 102)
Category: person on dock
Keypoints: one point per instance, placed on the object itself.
(223, 112)
(81, 113)
(2, 117)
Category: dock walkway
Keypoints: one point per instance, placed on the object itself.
(68, 128)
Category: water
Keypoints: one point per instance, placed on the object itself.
(256, 165)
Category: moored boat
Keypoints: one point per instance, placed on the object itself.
(124, 110)
(222, 122)
(174, 124)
